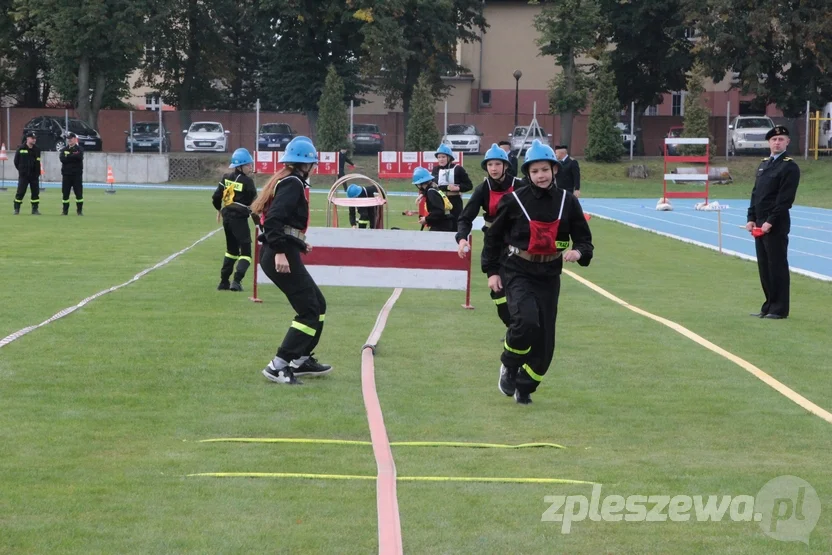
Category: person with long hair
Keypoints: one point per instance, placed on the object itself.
(283, 206)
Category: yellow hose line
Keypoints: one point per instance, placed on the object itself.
(392, 444)
(400, 478)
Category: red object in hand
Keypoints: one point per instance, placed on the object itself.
(757, 232)
(587, 216)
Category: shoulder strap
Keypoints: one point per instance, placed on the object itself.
(523, 208)
(562, 202)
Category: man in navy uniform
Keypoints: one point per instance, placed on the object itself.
(569, 176)
(772, 197)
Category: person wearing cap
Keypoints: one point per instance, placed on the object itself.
(512, 157)
(27, 164)
(232, 199)
(486, 196)
(536, 222)
(452, 180)
(72, 171)
(437, 204)
(775, 188)
(283, 205)
(569, 175)
(367, 215)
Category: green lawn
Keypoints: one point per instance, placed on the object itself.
(102, 411)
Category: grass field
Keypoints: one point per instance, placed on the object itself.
(103, 411)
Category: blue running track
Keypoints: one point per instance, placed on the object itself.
(810, 239)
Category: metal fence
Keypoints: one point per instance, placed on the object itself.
(223, 131)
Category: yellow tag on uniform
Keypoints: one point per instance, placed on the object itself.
(230, 188)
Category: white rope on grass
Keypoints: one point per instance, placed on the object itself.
(20, 333)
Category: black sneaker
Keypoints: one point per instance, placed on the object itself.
(235, 286)
(311, 368)
(223, 286)
(283, 375)
(523, 398)
(506, 383)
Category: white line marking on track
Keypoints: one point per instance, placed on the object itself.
(67, 311)
(744, 364)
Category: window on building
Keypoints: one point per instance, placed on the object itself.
(677, 104)
(150, 55)
(485, 98)
(153, 102)
(651, 111)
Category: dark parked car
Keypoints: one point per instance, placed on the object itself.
(52, 135)
(366, 137)
(275, 136)
(146, 137)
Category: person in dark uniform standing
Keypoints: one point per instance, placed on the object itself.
(569, 175)
(232, 198)
(537, 222)
(768, 220)
(512, 157)
(343, 160)
(72, 171)
(452, 180)
(283, 205)
(486, 196)
(367, 215)
(27, 164)
(437, 203)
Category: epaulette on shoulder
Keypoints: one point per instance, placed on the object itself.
(787, 159)
(764, 159)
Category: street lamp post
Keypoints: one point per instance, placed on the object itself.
(517, 75)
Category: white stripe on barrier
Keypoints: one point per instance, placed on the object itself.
(362, 276)
(386, 239)
(686, 177)
(681, 141)
(67, 311)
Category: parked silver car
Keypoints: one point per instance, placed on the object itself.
(536, 132)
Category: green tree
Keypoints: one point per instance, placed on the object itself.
(422, 133)
(779, 51)
(92, 46)
(186, 57)
(308, 37)
(604, 137)
(697, 115)
(333, 122)
(652, 50)
(568, 30)
(24, 64)
(405, 39)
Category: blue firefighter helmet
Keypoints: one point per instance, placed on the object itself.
(538, 152)
(446, 150)
(494, 153)
(241, 157)
(421, 176)
(300, 150)
(353, 190)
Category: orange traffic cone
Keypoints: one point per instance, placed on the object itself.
(3, 155)
(111, 180)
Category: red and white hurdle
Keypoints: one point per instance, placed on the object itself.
(383, 258)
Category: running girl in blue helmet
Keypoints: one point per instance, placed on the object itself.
(498, 183)
(232, 199)
(452, 180)
(438, 206)
(535, 223)
(284, 208)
